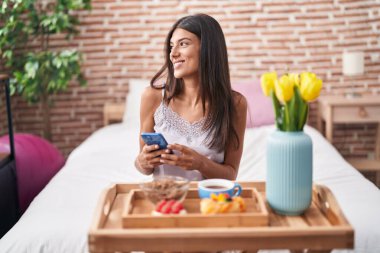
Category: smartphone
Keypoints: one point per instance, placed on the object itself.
(154, 139)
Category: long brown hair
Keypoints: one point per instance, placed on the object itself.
(214, 76)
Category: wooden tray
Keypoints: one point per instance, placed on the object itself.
(137, 213)
(322, 227)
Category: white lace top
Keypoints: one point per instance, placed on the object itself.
(178, 130)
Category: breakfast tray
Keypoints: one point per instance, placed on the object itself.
(322, 227)
(138, 209)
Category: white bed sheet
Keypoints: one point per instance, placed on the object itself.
(59, 218)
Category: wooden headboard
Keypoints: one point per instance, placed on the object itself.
(113, 112)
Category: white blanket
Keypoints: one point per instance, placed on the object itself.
(59, 218)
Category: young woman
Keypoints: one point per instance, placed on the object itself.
(200, 116)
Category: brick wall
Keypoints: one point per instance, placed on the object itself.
(124, 39)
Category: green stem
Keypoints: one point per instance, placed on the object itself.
(296, 110)
(304, 107)
(287, 122)
(277, 108)
(293, 111)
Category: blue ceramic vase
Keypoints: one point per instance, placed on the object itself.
(289, 172)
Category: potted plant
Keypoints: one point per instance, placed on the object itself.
(289, 149)
(36, 69)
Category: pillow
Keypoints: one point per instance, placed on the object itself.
(260, 109)
(132, 106)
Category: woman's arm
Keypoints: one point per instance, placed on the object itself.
(190, 159)
(148, 157)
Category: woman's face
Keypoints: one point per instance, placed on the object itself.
(184, 54)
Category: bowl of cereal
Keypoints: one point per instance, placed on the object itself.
(165, 188)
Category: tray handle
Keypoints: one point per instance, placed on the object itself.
(260, 204)
(328, 205)
(104, 207)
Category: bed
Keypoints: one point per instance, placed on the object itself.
(59, 217)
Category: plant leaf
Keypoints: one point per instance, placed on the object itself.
(277, 110)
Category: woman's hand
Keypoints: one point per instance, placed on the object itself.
(149, 157)
(183, 157)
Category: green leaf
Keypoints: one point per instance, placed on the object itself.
(287, 118)
(3, 7)
(292, 110)
(295, 111)
(31, 69)
(8, 54)
(304, 108)
(299, 110)
(12, 90)
(46, 22)
(12, 86)
(52, 85)
(277, 110)
(57, 62)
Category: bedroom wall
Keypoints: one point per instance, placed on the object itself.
(124, 39)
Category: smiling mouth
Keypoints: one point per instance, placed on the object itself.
(178, 64)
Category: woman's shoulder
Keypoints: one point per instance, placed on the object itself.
(152, 94)
(240, 102)
(151, 97)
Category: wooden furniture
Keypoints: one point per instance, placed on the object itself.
(321, 228)
(358, 110)
(113, 112)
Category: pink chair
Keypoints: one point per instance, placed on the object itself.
(37, 161)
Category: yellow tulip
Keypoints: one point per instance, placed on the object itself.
(295, 78)
(284, 89)
(310, 87)
(267, 82)
(306, 76)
